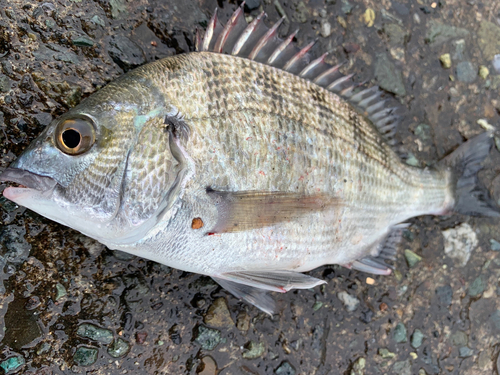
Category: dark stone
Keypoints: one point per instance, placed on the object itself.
(127, 54)
(366, 316)
(21, 325)
(400, 9)
(4, 83)
(466, 72)
(285, 369)
(445, 295)
(252, 4)
(42, 119)
(85, 356)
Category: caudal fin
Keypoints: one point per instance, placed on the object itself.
(471, 197)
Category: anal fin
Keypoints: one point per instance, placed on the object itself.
(384, 250)
(252, 285)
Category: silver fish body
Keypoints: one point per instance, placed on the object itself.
(232, 168)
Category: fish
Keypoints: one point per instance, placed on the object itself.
(247, 160)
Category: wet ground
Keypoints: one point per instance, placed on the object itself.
(68, 305)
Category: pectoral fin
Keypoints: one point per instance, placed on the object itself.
(246, 210)
(252, 285)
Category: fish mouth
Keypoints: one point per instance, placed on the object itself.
(27, 180)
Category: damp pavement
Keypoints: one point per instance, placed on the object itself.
(68, 305)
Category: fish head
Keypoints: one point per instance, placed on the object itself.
(104, 168)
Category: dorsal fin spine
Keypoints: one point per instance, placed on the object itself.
(221, 40)
(281, 47)
(246, 34)
(339, 81)
(313, 65)
(265, 38)
(209, 33)
(288, 66)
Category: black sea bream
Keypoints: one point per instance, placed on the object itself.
(246, 161)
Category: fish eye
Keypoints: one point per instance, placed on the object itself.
(75, 136)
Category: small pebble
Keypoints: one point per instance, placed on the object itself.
(385, 353)
(85, 356)
(400, 333)
(496, 63)
(60, 291)
(208, 338)
(326, 29)
(119, 348)
(93, 332)
(466, 72)
(495, 245)
(477, 287)
(358, 367)
(285, 369)
(351, 303)
(369, 17)
(465, 352)
(417, 338)
(412, 258)
(445, 60)
(370, 281)
(253, 350)
(483, 72)
(12, 363)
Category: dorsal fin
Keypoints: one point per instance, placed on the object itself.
(256, 41)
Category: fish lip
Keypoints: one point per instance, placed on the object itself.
(27, 179)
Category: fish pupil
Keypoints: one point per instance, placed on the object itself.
(71, 138)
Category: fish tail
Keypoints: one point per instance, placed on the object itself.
(470, 196)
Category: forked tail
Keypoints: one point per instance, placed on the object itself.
(471, 197)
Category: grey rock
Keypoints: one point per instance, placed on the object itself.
(346, 6)
(459, 242)
(60, 291)
(439, 33)
(423, 131)
(494, 245)
(465, 352)
(252, 4)
(358, 368)
(489, 39)
(460, 50)
(417, 338)
(402, 367)
(218, 315)
(412, 160)
(385, 353)
(82, 41)
(411, 258)
(43, 119)
(445, 295)
(395, 33)
(400, 8)
(495, 319)
(476, 288)
(466, 72)
(459, 338)
(208, 338)
(97, 21)
(118, 8)
(285, 369)
(85, 356)
(253, 350)
(119, 348)
(351, 303)
(388, 77)
(125, 53)
(5, 83)
(484, 359)
(93, 332)
(13, 245)
(399, 333)
(12, 364)
(496, 63)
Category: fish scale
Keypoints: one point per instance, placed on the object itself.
(250, 168)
